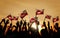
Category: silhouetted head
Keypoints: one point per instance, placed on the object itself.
(56, 26)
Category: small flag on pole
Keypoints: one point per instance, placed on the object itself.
(48, 16)
(39, 12)
(9, 17)
(32, 20)
(56, 19)
(23, 14)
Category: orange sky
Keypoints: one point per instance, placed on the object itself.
(15, 7)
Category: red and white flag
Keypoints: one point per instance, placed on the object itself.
(32, 20)
(23, 14)
(15, 18)
(48, 16)
(39, 12)
(56, 19)
(9, 17)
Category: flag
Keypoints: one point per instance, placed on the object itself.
(15, 18)
(32, 20)
(9, 17)
(48, 16)
(56, 19)
(23, 14)
(39, 12)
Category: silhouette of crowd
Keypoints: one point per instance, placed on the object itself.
(9, 32)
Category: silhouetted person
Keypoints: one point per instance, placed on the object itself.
(1, 32)
(21, 23)
(44, 23)
(0, 27)
(28, 24)
(14, 32)
(17, 25)
(9, 30)
(37, 22)
(7, 22)
(11, 25)
(3, 20)
(44, 33)
(48, 26)
(56, 34)
(25, 25)
(8, 33)
(56, 26)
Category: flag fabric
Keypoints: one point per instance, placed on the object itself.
(32, 20)
(9, 17)
(56, 19)
(39, 12)
(23, 14)
(15, 18)
(48, 16)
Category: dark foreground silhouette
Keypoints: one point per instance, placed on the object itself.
(30, 33)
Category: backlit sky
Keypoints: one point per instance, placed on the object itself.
(15, 7)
